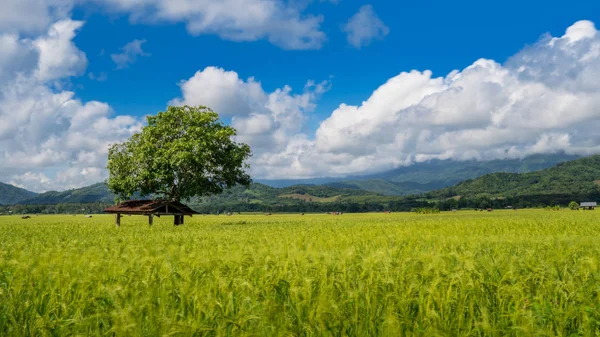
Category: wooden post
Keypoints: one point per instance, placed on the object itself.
(118, 220)
(178, 220)
(150, 219)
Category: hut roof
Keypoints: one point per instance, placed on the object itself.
(159, 207)
(588, 204)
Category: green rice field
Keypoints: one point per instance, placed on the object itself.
(501, 273)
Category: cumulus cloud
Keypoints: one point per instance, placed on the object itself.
(281, 22)
(278, 21)
(48, 138)
(544, 99)
(129, 54)
(264, 120)
(365, 26)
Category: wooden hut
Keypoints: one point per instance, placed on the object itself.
(151, 208)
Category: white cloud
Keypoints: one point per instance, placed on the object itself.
(31, 16)
(365, 26)
(265, 121)
(129, 54)
(280, 23)
(57, 140)
(58, 55)
(544, 99)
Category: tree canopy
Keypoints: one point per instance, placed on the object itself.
(182, 152)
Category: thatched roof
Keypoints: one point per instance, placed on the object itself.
(146, 207)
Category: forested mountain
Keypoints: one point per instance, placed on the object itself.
(258, 195)
(10, 194)
(94, 193)
(577, 177)
(385, 187)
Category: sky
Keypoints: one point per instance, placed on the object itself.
(317, 88)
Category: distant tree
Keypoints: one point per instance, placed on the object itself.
(573, 206)
(182, 152)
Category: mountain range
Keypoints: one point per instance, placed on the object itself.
(10, 194)
(435, 175)
(430, 175)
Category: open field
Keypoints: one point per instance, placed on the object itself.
(504, 273)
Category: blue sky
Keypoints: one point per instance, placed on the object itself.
(435, 35)
(364, 109)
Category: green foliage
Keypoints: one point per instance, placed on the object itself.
(573, 205)
(386, 187)
(552, 208)
(182, 152)
(12, 195)
(89, 194)
(577, 177)
(399, 274)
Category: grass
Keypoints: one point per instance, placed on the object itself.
(504, 273)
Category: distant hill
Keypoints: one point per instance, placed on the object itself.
(431, 175)
(260, 197)
(262, 194)
(386, 187)
(577, 177)
(255, 194)
(94, 193)
(10, 194)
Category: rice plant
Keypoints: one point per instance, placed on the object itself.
(503, 273)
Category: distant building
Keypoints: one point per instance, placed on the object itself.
(589, 205)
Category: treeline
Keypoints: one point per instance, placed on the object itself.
(406, 204)
(365, 205)
(403, 205)
(526, 201)
(63, 208)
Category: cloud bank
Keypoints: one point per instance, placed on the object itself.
(546, 98)
(48, 138)
(277, 21)
(283, 23)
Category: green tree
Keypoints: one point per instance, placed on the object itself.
(182, 152)
(573, 205)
